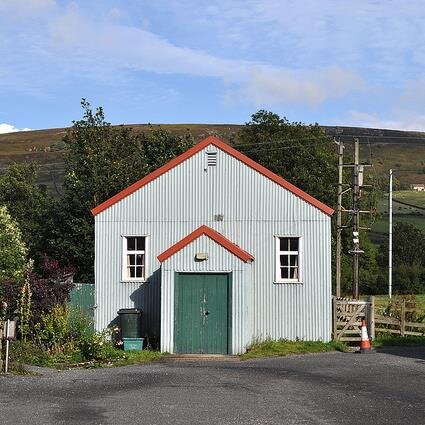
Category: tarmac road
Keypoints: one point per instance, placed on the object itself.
(387, 387)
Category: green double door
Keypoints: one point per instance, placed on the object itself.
(201, 313)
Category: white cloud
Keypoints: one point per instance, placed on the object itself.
(25, 9)
(414, 122)
(123, 46)
(265, 52)
(103, 48)
(407, 111)
(9, 128)
(313, 87)
(380, 37)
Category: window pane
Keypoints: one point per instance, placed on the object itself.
(284, 260)
(140, 246)
(284, 272)
(131, 244)
(294, 244)
(130, 259)
(131, 271)
(139, 271)
(284, 244)
(140, 259)
(294, 272)
(293, 260)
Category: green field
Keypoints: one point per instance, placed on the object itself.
(411, 197)
(382, 301)
(401, 213)
(381, 225)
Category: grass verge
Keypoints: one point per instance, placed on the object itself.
(284, 347)
(31, 353)
(395, 340)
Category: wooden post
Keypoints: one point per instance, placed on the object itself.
(339, 218)
(1, 351)
(403, 317)
(334, 320)
(6, 358)
(371, 309)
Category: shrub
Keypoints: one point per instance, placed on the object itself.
(48, 289)
(98, 347)
(64, 331)
(53, 330)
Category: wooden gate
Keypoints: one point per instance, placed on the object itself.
(347, 316)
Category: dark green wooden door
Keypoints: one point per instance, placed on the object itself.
(201, 323)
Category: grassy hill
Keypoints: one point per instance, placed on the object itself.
(403, 151)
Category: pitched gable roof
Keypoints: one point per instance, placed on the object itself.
(212, 140)
(212, 234)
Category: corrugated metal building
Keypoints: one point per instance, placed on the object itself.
(218, 252)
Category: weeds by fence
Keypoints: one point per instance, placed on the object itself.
(400, 325)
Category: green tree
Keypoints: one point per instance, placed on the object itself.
(101, 160)
(408, 259)
(28, 204)
(13, 252)
(300, 153)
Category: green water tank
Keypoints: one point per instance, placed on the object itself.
(130, 322)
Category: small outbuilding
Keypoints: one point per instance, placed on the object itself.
(218, 252)
(419, 187)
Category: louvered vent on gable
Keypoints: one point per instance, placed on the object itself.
(212, 159)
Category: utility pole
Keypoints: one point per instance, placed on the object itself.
(339, 218)
(355, 211)
(356, 219)
(390, 237)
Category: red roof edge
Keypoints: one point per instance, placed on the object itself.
(212, 234)
(212, 140)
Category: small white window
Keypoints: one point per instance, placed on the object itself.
(134, 258)
(288, 267)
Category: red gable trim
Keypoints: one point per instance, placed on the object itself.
(215, 236)
(211, 140)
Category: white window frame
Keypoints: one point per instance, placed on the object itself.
(124, 265)
(278, 252)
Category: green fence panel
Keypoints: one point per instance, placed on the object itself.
(82, 297)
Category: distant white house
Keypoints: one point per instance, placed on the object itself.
(419, 187)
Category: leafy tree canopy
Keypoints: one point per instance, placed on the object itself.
(408, 259)
(28, 204)
(13, 252)
(300, 153)
(101, 160)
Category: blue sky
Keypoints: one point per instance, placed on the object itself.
(192, 61)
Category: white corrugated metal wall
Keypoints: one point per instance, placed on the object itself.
(254, 210)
